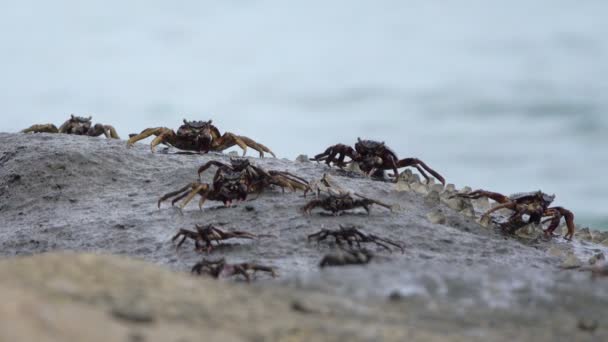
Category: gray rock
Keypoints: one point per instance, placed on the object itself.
(599, 257)
(302, 158)
(436, 217)
(571, 261)
(432, 198)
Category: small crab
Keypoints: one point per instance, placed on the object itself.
(352, 235)
(533, 204)
(228, 189)
(209, 233)
(345, 257)
(338, 203)
(198, 136)
(76, 125)
(256, 178)
(221, 269)
(372, 157)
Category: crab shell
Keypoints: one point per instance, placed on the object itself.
(548, 199)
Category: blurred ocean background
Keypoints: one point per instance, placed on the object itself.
(509, 96)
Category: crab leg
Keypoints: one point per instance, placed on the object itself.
(558, 213)
(510, 205)
(387, 206)
(196, 190)
(500, 198)
(146, 133)
(209, 164)
(171, 194)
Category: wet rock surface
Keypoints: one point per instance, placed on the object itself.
(456, 280)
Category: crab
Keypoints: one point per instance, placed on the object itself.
(197, 136)
(352, 235)
(76, 125)
(341, 202)
(533, 204)
(227, 189)
(220, 268)
(256, 178)
(373, 157)
(346, 257)
(207, 234)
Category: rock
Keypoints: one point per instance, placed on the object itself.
(529, 231)
(450, 187)
(406, 175)
(465, 190)
(485, 221)
(555, 252)
(403, 186)
(604, 243)
(456, 203)
(583, 234)
(571, 261)
(468, 212)
(419, 188)
(436, 217)
(436, 187)
(598, 236)
(302, 158)
(599, 257)
(353, 167)
(483, 203)
(415, 179)
(136, 311)
(432, 198)
(233, 154)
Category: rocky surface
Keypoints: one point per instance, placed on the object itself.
(456, 280)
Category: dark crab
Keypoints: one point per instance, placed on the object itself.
(227, 189)
(345, 257)
(533, 204)
(207, 234)
(198, 136)
(257, 178)
(353, 236)
(341, 202)
(221, 269)
(76, 125)
(373, 157)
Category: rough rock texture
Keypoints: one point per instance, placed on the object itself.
(456, 281)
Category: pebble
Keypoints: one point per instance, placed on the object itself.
(436, 217)
(302, 158)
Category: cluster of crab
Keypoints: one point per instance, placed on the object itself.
(233, 182)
